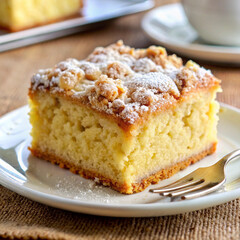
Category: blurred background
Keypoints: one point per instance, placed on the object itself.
(101, 23)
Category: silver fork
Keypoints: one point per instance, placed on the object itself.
(200, 182)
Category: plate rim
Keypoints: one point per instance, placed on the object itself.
(104, 209)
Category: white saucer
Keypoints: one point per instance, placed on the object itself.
(169, 27)
(46, 183)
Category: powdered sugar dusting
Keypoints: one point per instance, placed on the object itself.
(158, 82)
(122, 81)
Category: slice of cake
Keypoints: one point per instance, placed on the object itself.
(17, 15)
(124, 117)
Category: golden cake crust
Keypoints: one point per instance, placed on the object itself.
(126, 126)
(124, 188)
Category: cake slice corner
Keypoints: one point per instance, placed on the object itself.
(124, 117)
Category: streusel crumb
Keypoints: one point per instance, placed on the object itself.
(123, 81)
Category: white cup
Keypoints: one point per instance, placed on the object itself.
(216, 21)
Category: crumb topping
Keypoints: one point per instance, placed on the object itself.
(123, 81)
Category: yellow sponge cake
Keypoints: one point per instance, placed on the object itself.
(124, 117)
(16, 15)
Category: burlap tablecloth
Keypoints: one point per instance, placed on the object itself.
(24, 219)
(21, 218)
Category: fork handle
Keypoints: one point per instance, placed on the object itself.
(231, 156)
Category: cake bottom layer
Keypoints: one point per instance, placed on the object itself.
(120, 187)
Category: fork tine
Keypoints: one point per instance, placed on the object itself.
(175, 186)
(203, 192)
(185, 190)
(183, 180)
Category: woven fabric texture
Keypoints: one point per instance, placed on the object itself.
(21, 218)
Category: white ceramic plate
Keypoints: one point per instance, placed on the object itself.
(93, 13)
(46, 183)
(169, 27)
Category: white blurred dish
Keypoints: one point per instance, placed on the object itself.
(168, 26)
